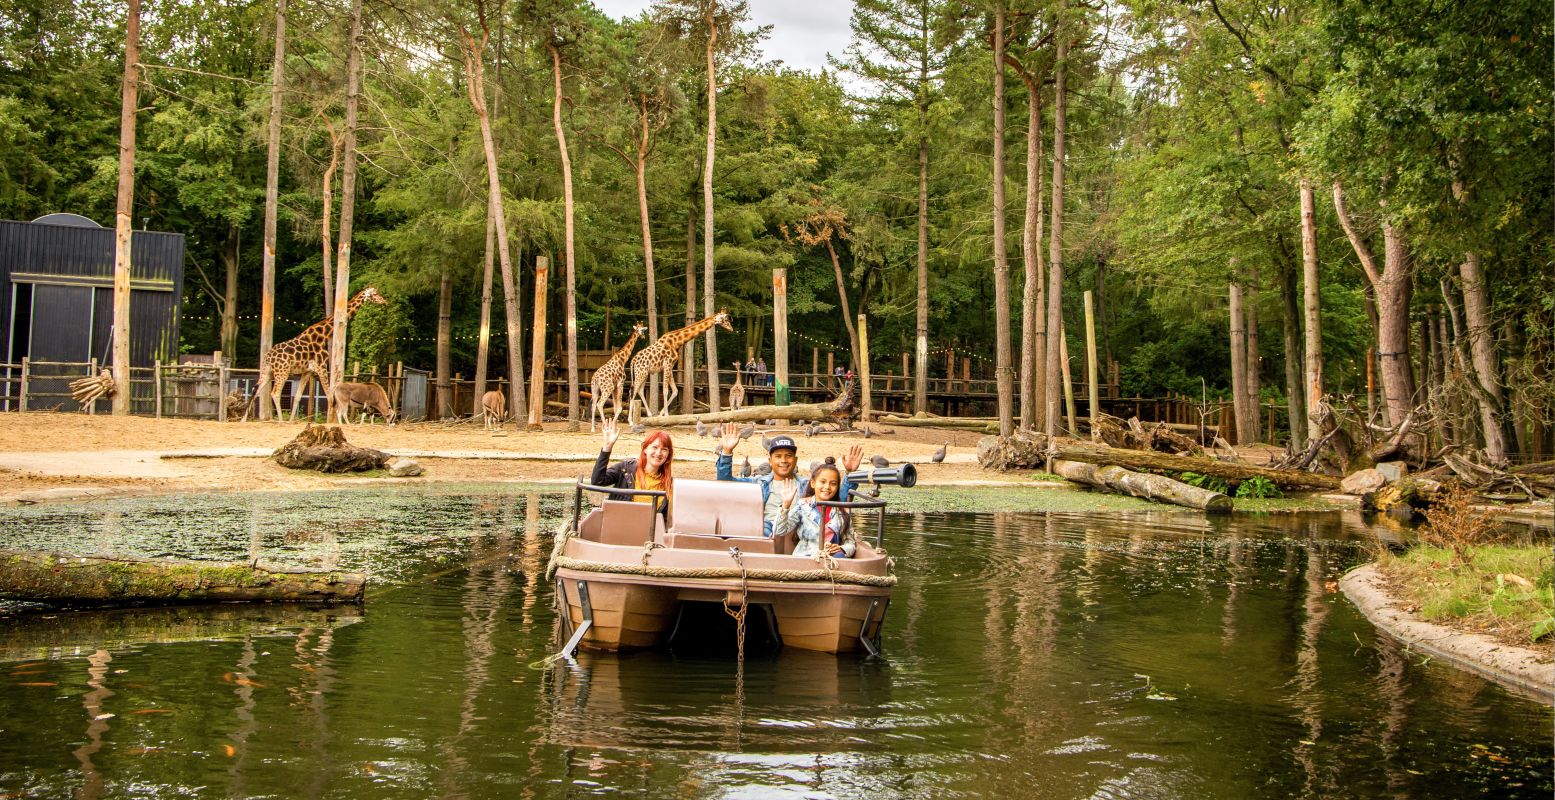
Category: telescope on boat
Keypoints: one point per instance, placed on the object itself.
(903, 475)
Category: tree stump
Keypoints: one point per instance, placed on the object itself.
(323, 448)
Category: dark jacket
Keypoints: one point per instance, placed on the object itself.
(621, 476)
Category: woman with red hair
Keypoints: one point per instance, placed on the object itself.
(651, 469)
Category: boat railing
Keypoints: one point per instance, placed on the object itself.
(866, 503)
(582, 486)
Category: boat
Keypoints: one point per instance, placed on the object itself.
(623, 580)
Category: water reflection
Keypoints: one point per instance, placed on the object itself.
(1028, 654)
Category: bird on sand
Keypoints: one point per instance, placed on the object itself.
(639, 428)
(701, 428)
(868, 433)
(763, 469)
(809, 430)
(748, 429)
(745, 468)
(880, 461)
(814, 465)
(939, 455)
(766, 443)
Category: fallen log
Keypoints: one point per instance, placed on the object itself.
(100, 580)
(952, 423)
(836, 410)
(1029, 450)
(1143, 485)
(324, 448)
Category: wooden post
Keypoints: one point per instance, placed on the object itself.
(221, 387)
(780, 336)
(906, 373)
(537, 357)
(830, 368)
(26, 373)
(1094, 397)
(156, 380)
(966, 374)
(92, 409)
(1063, 357)
(863, 365)
(815, 364)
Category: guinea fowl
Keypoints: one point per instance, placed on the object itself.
(748, 429)
(745, 468)
(939, 455)
(701, 428)
(639, 428)
(763, 469)
(880, 461)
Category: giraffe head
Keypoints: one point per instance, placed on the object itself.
(639, 329)
(369, 295)
(721, 319)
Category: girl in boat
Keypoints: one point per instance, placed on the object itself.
(821, 529)
(651, 469)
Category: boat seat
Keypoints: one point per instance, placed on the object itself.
(702, 541)
(730, 509)
(626, 522)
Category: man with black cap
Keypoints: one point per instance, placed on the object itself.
(783, 456)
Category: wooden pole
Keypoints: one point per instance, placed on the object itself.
(780, 336)
(815, 364)
(863, 364)
(537, 357)
(92, 372)
(1063, 358)
(124, 224)
(1090, 359)
(156, 379)
(26, 374)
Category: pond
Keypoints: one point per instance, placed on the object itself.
(1027, 654)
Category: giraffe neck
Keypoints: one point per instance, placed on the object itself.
(677, 338)
(626, 349)
(354, 305)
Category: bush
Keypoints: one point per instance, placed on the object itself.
(1259, 488)
(1454, 524)
(1209, 482)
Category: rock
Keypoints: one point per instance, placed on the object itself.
(1393, 470)
(1358, 483)
(402, 467)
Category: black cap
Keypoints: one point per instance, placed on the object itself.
(782, 441)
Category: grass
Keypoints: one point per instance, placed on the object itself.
(1503, 590)
(1280, 505)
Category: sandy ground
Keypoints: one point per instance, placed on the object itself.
(47, 455)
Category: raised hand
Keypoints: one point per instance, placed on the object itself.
(731, 438)
(789, 494)
(851, 461)
(611, 434)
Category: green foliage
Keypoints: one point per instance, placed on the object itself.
(1211, 482)
(1258, 487)
(375, 335)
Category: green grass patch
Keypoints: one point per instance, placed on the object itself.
(1013, 498)
(1045, 477)
(1284, 505)
(1507, 591)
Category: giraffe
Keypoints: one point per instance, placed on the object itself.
(611, 377)
(662, 355)
(737, 391)
(307, 353)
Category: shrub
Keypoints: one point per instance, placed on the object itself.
(1453, 523)
(1258, 487)
(1209, 482)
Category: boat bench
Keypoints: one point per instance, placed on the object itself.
(709, 515)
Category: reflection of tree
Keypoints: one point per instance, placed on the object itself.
(244, 689)
(97, 725)
(1393, 686)
(1308, 691)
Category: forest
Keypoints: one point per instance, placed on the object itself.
(1339, 210)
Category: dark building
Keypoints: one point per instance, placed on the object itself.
(56, 300)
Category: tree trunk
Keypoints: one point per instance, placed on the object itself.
(337, 355)
(483, 343)
(445, 389)
(1055, 286)
(1004, 379)
(229, 297)
(847, 311)
(124, 211)
(1492, 400)
(1238, 361)
(920, 390)
(649, 281)
(688, 351)
(1393, 284)
(1295, 397)
(116, 581)
(572, 281)
(1312, 308)
(1143, 485)
(327, 216)
(272, 191)
(709, 302)
(1033, 340)
(1253, 431)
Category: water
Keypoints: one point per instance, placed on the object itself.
(1028, 655)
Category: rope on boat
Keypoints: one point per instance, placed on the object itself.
(786, 575)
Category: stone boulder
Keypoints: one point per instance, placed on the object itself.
(402, 467)
(1393, 470)
(1366, 480)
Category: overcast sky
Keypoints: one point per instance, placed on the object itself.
(803, 31)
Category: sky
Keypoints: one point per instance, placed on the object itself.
(803, 31)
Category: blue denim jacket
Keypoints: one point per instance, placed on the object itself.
(725, 468)
(805, 518)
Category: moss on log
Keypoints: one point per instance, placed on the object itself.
(99, 580)
(1024, 450)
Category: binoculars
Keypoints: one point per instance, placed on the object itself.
(904, 475)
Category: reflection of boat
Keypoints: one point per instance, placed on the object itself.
(624, 579)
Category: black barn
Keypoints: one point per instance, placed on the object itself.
(56, 295)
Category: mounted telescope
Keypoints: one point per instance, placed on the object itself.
(903, 475)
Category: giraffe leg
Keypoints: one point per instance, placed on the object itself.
(615, 408)
(277, 384)
(673, 390)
